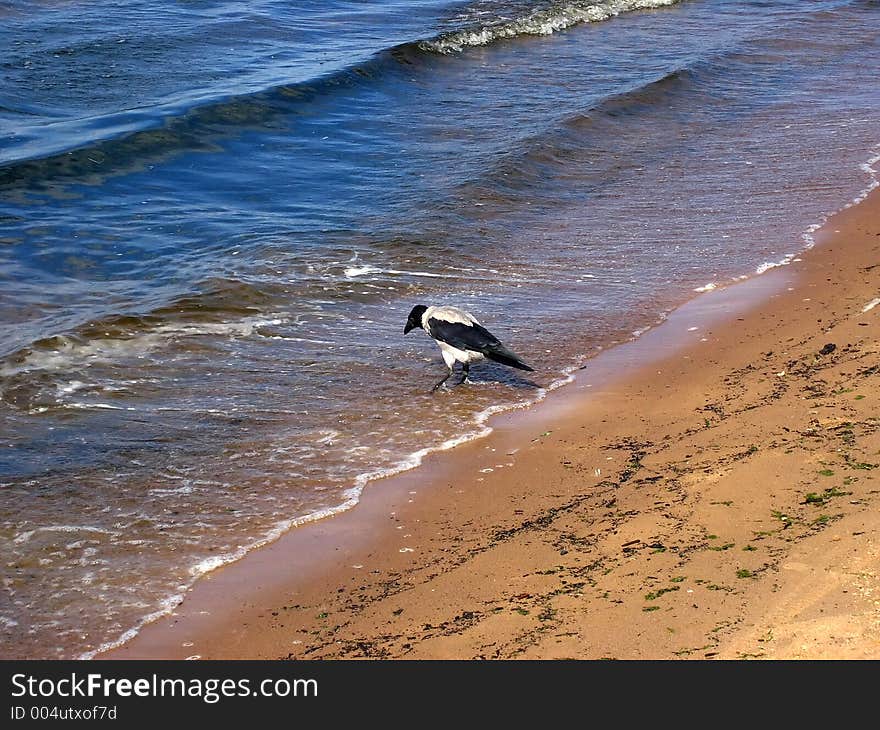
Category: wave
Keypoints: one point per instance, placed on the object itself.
(544, 21)
(90, 150)
(576, 149)
(220, 307)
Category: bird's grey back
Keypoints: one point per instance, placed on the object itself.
(448, 314)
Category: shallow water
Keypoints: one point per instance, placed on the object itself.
(214, 219)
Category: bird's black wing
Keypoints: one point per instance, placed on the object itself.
(476, 338)
(462, 336)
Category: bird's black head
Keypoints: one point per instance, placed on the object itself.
(415, 318)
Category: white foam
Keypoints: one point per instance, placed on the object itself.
(353, 271)
(327, 435)
(706, 287)
(539, 22)
(70, 387)
(165, 607)
(207, 565)
(767, 265)
(162, 492)
(28, 534)
(88, 406)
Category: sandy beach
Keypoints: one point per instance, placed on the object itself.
(217, 439)
(710, 491)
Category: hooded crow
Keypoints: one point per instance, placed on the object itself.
(461, 339)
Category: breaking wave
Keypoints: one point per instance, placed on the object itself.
(543, 21)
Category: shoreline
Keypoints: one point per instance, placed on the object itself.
(449, 527)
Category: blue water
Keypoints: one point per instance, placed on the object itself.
(214, 218)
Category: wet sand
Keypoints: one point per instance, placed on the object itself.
(711, 490)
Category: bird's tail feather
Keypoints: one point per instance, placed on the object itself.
(499, 353)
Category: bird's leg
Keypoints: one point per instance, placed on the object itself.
(464, 372)
(448, 375)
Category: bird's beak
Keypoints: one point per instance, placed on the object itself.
(409, 326)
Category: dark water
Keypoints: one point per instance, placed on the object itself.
(214, 218)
